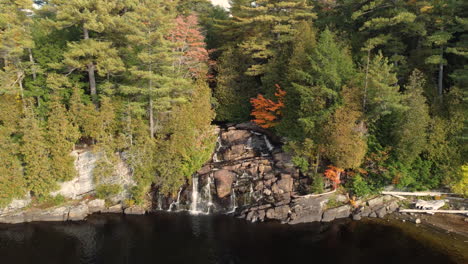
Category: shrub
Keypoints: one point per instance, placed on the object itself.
(317, 184)
(360, 187)
(104, 191)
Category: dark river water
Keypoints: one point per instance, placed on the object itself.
(182, 238)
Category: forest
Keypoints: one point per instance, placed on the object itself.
(363, 93)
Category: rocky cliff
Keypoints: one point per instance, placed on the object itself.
(246, 171)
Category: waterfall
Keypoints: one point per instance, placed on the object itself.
(268, 144)
(249, 144)
(159, 201)
(207, 190)
(176, 202)
(251, 193)
(233, 202)
(193, 206)
(219, 145)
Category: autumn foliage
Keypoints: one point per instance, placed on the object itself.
(267, 112)
(190, 44)
(333, 174)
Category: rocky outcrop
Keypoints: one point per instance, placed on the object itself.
(223, 182)
(84, 183)
(70, 212)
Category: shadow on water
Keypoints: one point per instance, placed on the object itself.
(182, 238)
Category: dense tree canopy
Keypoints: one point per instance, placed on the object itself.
(377, 90)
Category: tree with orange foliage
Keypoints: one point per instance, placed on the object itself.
(192, 59)
(267, 112)
(333, 174)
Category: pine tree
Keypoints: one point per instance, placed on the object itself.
(303, 46)
(192, 140)
(15, 39)
(154, 75)
(35, 151)
(346, 144)
(270, 24)
(192, 59)
(234, 89)
(90, 54)
(382, 95)
(12, 183)
(61, 134)
(412, 125)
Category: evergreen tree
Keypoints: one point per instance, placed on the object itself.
(382, 95)
(154, 75)
(15, 39)
(411, 127)
(12, 183)
(346, 144)
(35, 151)
(90, 54)
(234, 89)
(61, 135)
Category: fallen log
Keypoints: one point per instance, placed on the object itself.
(433, 211)
(314, 195)
(417, 193)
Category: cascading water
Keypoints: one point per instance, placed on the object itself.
(233, 202)
(268, 143)
(193, 206)
(219, 145)
(207, 190)
(176, 202)
(160, 201)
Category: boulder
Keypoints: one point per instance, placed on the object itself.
(204, 170)
(308, 209)
(376, 201)
(78, 213)
(96, 205)
(336, 213)
(392, 207)
(135, 210)
(14, 218)
(117, 209)
(381, 212)
(57, 214)
(357, 217)
(235, 136)
(278, 213)
(223, 182)
(286, 183)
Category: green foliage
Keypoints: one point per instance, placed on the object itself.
(105, 191)
(234, 89)
(318, 184)
(359, 186)
(12, 183)
(382, 95)
(461, 186)
(411, 127)
(35, 151)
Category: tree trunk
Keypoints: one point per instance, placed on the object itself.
(151, 111)
(441, 77)
(92, 77)
(317, 162)
(33, 64)
(364, 97)
(151, 116)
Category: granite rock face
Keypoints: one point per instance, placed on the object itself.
(84, 183)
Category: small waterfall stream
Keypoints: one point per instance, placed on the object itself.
(193, 206)
(175, 204)
(202, 196)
